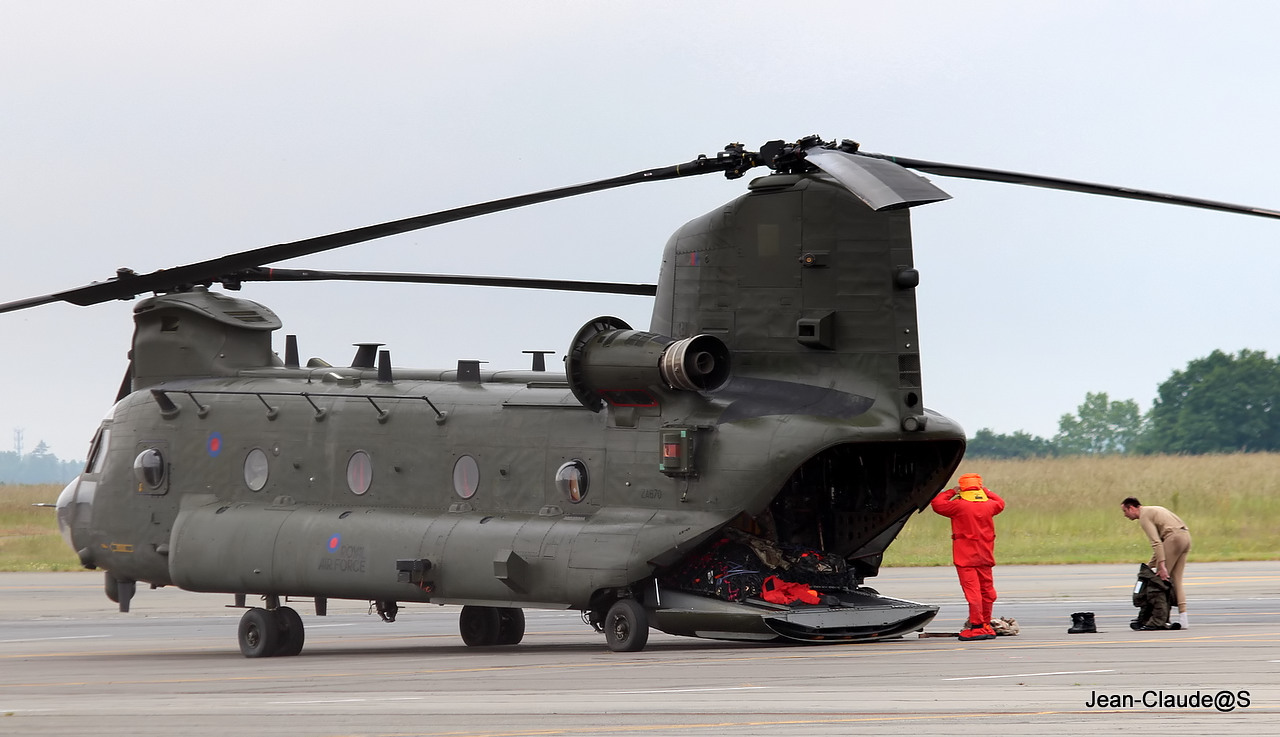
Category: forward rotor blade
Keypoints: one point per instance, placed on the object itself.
(22, 304)
(881, 186)
(564, 285)
(1035, 180)
(128, 285)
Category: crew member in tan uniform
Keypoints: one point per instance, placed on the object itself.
(1170, 541)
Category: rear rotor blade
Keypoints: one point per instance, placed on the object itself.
(1035, 180)
(875, 181)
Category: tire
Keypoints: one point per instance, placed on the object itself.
(479, 625)
(510, 626)
(292, 633)
(626, 626)
(259, 633)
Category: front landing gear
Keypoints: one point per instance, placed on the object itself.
(266, 633)
(120, 590)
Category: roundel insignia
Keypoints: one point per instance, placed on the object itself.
(215, 444)
(335, 542)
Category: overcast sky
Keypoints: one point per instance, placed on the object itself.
(150, 134)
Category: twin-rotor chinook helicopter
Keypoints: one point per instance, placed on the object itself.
(736, 471)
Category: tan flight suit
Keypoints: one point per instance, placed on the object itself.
(1170, 543)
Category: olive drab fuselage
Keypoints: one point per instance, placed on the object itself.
(796, 392)
(770, 422)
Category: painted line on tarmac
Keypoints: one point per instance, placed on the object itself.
(677, 658)
(53, 587)
(1237, 614)
(689, 690)
(346, 701)
(6, 711)
(46, 639)
(1029, 675)
(767, 721)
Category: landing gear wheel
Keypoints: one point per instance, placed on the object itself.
(626, 626)
(111, 586)
(119, 590)
(510, 626)
(291, 631)
(259, 633)
(480, 626)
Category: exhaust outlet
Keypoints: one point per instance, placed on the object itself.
(700, 363)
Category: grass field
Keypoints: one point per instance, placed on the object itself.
(29, 539)
(1060, 510)
(1067, 510)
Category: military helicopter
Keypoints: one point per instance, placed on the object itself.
(736, 471)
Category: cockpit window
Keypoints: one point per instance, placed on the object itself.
(98, 451)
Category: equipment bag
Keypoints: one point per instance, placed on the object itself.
(1153, 596)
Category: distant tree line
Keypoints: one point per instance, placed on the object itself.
(1222, 403)
(37, 467)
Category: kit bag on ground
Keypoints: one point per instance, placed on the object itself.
(1154, 597)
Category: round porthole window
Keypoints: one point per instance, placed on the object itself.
(255, 469)
(572, 480)
(149, 469)
(466, 477)
(359, 472)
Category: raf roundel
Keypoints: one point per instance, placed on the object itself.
(335, 542)
(215, 444)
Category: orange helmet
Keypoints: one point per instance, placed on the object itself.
(970, 481)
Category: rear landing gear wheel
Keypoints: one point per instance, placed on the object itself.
(626, 626)
(259, 633)
(510, 626)
(291, 631)
(481, 626)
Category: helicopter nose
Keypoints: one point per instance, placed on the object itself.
(64, 506)
(75, 509)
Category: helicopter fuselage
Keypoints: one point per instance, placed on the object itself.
(321, 481)
(767, 433)
(776, 394)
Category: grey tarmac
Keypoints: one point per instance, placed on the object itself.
(70, 664)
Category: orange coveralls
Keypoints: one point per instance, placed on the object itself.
(973, 539)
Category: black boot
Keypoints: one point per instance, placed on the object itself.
(1082, 622)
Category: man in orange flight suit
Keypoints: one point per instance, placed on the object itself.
(971, 508)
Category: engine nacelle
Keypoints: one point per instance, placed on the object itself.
(610, 362)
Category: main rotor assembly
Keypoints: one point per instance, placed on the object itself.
(882, 181)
